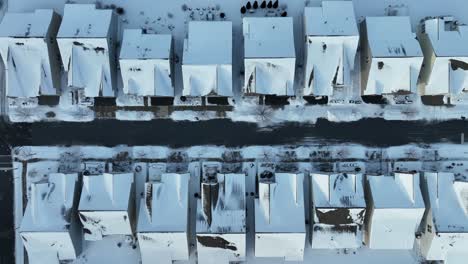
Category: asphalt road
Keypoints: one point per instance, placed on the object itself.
(370, 132)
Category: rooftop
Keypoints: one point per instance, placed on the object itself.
(400, 190)
(280, 206)
(333, 18)
(164, 207)
(27, 25)
(449, 38)
(208, 43)
(136, 45)
(268, 37)
(340, 190)
(50, 204)
(221, 208)
(96, 24)
(448, 199)
(106, 192)
(391, 36)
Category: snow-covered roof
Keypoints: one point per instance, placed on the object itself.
(85, 21)
(208, 43)
(333, 18)
(137, 45)
(27, 25)
(221, 208)
(391, 36)
(164, 207)
(280, 206)
(401, 190)
(448, 200)
(26, 52)
(448, 37)
(145, 64)
(268, 37)
(106, 192)
(50, 204)
(332, 38)
(342, 190)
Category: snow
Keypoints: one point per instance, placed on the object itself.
(134, 115)
(446, 220)
(145, 63)
(338, 210)
(162, 220)
(269, 55)
(207, 65)
(444, 41)
(39, 161)
(279, 217)
(48, 225)
(395, 53)
(105, 206)
(28, 54)
(86, 48)
(396, 209)
(333, 37)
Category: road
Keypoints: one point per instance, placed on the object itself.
(371, 132)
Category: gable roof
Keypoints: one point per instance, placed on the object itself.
(50, 204)
(85, 21)
(391, 36)
(136, 45)
(221, 208)
(106, 192)
(448, 200)
(280, 206)
(333, 18)
(400, 190)
(27, 25)
(164, 207)
(208, 43)
(268, 37)
(342, 190)
(448, 37)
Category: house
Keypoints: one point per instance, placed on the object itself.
(87, 48)
(338, 210)
(50, 230)
(207, 59)
(145, 64)
(279, 217)
(445, 223)
(163, 219)
(107, 205)
(331, 40)
(29, 52)
(221, 219)
(269, 56)
(444, 41)
(395, 208)
(389, 48)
